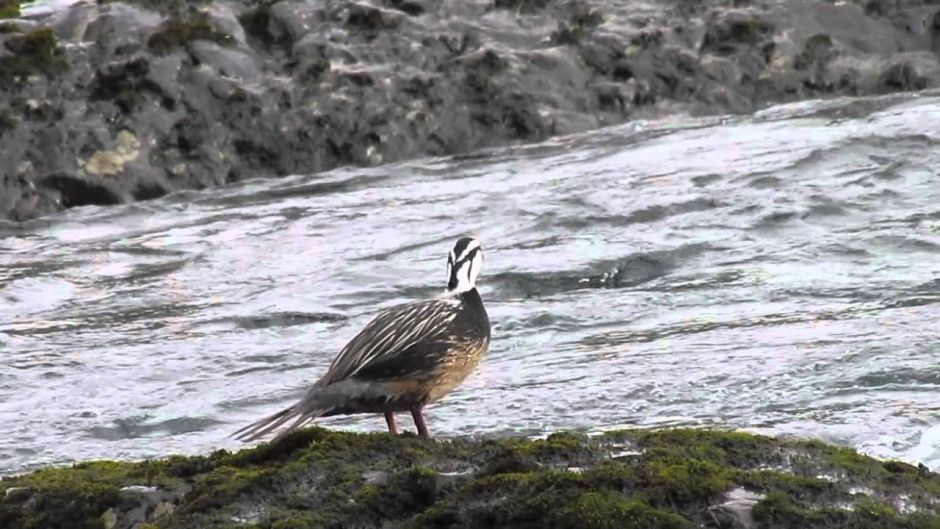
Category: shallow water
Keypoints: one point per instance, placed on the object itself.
(779, 273)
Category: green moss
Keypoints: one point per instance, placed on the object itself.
(849, 465)
(557, 445)
(405, 494)
(519, 455)
(778, 508)
(8, 121)
(613, 474)
(180, 31)
(664, 481)
(726, 447)
(687, 481)
(223, 485)
(851, 461)
(797, 486)
(609, 510)
(870, 508)
(282, 451)
(688, 465)
(33, 53)
(9, 9)
(294, 523)
(520, 499)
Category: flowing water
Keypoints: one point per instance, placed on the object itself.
(778, 273)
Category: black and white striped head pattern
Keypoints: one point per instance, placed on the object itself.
(464, 264)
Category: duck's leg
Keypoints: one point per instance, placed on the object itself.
(419, 421)
(390, 421)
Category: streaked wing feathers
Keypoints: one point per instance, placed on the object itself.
(391, 332)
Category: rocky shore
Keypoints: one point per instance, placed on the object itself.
(117, 101)
(680, 478)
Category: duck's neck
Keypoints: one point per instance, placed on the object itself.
(468, 296)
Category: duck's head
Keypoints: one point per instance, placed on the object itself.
(464, 265)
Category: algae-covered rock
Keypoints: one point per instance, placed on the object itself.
(178, 32)
(679, 478)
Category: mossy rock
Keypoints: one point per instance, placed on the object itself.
(179, 31)
(32, 53)
(666, 479)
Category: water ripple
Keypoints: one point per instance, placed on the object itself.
(778, 273)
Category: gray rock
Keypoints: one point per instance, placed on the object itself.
(231, 63)
(222, 91)
(736, 511)
(141, 504)
(116, 27)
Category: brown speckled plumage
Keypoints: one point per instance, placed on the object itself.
(405, 358)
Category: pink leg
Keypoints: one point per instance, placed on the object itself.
(390, 421)
(419, 422)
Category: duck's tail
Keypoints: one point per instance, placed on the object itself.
(301, 413)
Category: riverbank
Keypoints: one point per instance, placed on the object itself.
(112, 102)
(631, 478)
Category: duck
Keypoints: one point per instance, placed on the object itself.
(406, 357)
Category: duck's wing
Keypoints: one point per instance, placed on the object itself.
(392, 332)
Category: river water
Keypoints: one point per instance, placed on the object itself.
(778, 273)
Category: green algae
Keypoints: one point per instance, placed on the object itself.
(179, 31)
(32, 53)
(74, 497)
(778, 511)
(9, 9)
(609, 510)
(407, 492)
(633, 478)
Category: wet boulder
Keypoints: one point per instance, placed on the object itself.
(676, 478)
